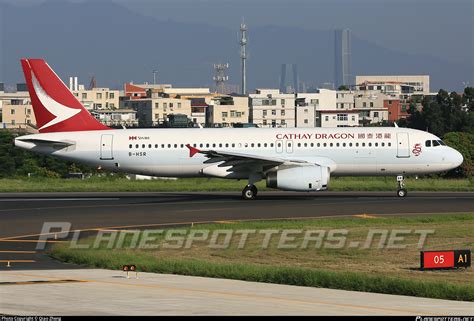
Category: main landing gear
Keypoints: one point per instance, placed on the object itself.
(401, 192)
(249, 192)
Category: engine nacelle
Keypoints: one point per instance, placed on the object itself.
(301, 178)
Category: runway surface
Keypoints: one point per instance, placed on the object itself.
(22, 215)
(105, 292)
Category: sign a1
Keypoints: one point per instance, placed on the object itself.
(430, 260)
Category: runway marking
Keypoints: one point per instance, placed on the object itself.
(17, 261)
(31, 241)
(41, 282)
(19, 252)
(58, 199)
(298, 218)
(115, 205)
(365, 216)
(244, 295)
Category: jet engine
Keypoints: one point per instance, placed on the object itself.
(302, 178)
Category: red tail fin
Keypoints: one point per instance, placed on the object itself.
(56, 109)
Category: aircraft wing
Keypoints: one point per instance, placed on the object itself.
(242, 161)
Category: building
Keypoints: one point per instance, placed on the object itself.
(342, 58)
(414, 84)
(134, 92)
(225, 111)
(371, 107)
(326, 108)
(271, 108)
(198, 111)
(116, 117)
(345, 114)
(286, 87)
(154, 111)
(17, 112)
(98, 98)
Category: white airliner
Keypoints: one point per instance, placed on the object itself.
(289, 159)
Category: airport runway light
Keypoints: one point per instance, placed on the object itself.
(130, 268)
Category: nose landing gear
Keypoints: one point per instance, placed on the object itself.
(401, 192)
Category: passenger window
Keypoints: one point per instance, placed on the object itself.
(312, 144)
(143, 145)
(370, 144)
(383, 144)
(265, 145)
(376, 144)
(389, 144)
(130, 146)
(319, 144)
(357, 144)
(299, 144)
(169, 145)
(330, 144)
(258, 145)
(136, 146)
(271, 144)
(252, 145)
(213, 145)
(220, 145)
(200, 145)
(325, 144)
(156, 145)
(337, 144)
(149, 145)
(363, 144)
(175, 145)
(207, 145)
(428, 143)
(350, 144)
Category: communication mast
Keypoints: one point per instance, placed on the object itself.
(220, 76)
(154, 76)
(243, 56)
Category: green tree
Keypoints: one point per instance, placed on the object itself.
(464, 143)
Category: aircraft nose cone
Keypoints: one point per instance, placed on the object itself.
(456, 158)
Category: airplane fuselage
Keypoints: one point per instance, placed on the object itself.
(374, 151)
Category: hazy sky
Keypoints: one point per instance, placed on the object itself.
(389, 37)
(440, 28)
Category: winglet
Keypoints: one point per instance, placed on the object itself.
(192, 150)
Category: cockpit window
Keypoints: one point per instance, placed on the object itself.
(428, 143)
(435, 143)
(441, 142)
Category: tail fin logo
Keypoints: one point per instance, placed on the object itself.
(60, 111)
